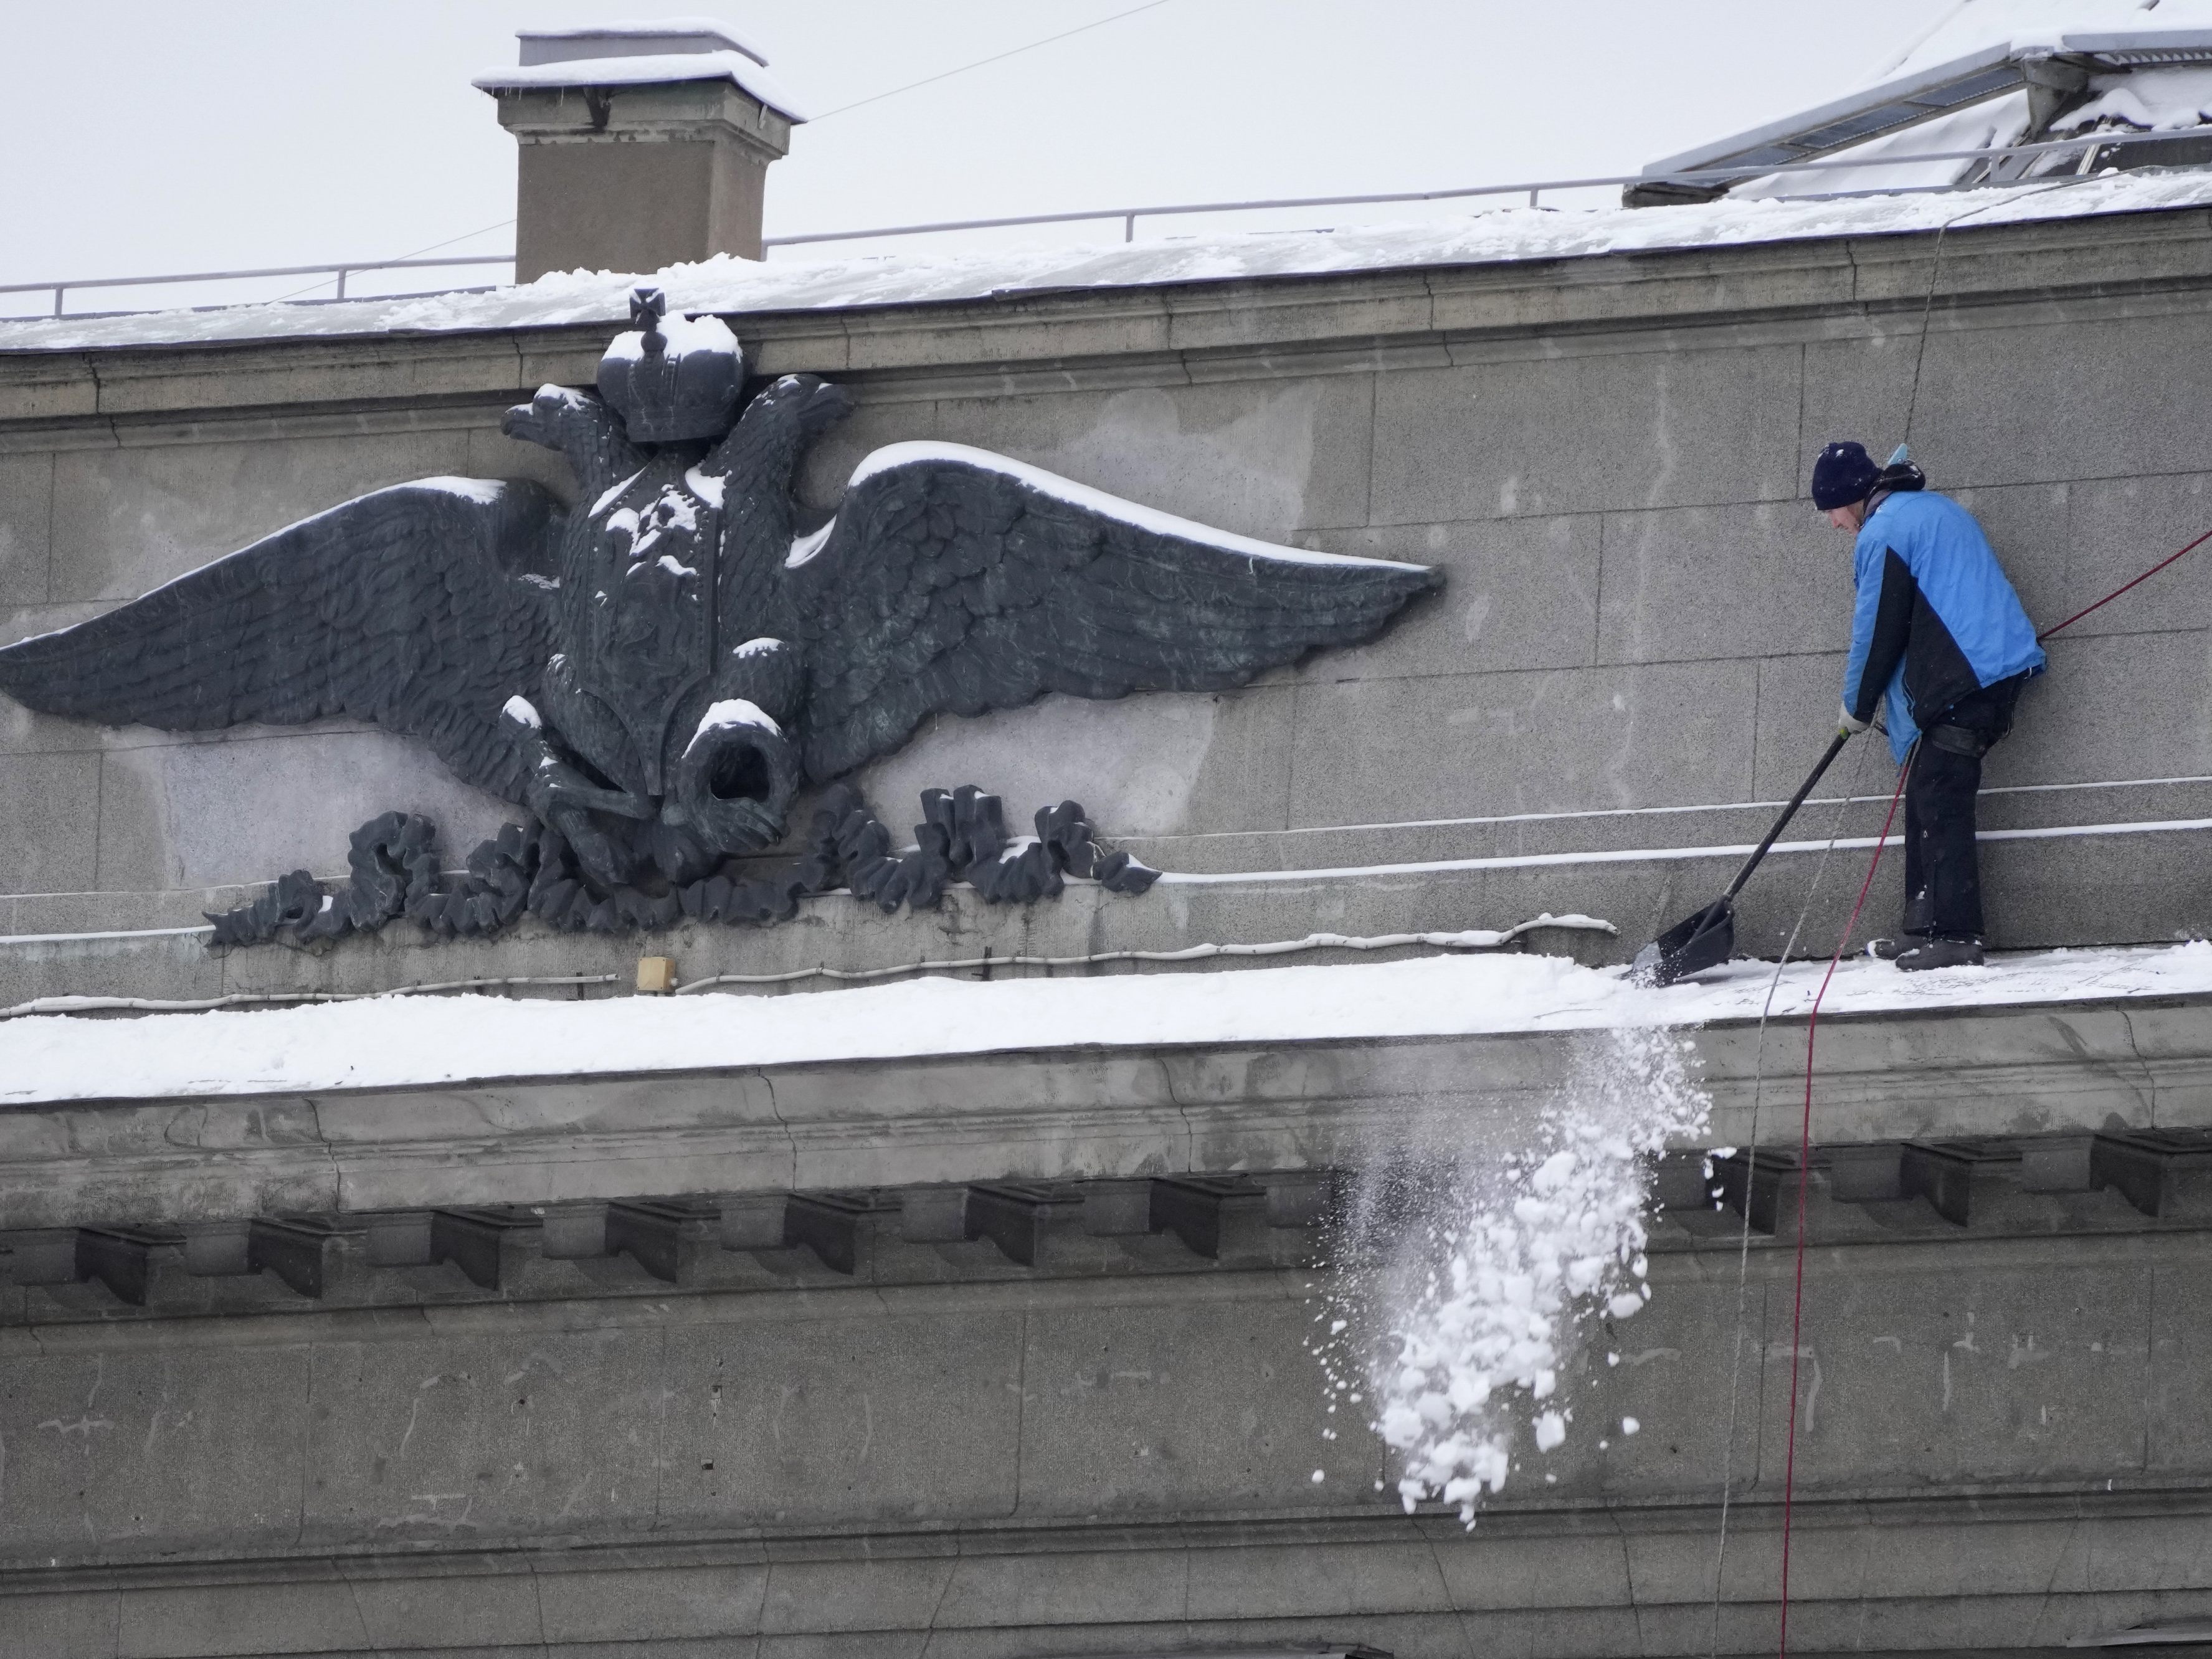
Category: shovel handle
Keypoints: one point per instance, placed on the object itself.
(1788, 813)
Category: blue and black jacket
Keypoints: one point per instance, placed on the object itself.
(1936, 620)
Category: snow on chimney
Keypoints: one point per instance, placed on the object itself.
(641, 144)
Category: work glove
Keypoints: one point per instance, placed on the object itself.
(1850, 725)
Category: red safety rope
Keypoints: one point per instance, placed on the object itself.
(1804, 1169)
(1805, 1133)
(2116, 593)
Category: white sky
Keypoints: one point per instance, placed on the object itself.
(145, 136)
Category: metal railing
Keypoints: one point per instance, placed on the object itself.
(1695, 177)
(2090, 147)
(341, 272)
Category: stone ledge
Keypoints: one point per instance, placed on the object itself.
(2095, 1190)
(1640, 1576)
(1003, 1467)
(1700, 286)
(776, 1292)
(1042, 1115)
(708, 1243)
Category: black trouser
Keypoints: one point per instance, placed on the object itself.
(1942, 872)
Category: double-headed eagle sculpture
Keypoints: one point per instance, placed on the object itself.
(659, 672)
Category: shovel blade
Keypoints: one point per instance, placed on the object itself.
(1704, 940)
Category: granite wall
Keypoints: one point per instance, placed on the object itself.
(1642, 628)
(2001, 1443)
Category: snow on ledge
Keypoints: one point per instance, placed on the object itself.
(402, 1041)
(921, 451)
(648, 69)
(647, 29)
(732, 287)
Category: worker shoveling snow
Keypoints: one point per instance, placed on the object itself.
(1469, 1273)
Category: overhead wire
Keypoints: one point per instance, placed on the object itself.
(980, 63)
(858, 103)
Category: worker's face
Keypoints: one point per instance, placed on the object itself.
(1848, 518)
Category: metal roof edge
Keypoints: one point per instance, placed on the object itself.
(2139, 41)
(1869, 98)
(1904, 89)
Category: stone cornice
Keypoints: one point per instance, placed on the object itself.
(1226, 328)
(1654, 1526)
(1057, 1113)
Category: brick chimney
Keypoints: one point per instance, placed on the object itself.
(641, 145)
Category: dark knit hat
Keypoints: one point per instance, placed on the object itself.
(1844, 474)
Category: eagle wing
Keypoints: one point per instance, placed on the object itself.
(954, 580)
(422, 607)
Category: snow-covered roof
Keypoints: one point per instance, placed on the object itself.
(734, 287)
(2024, 25)
(2166, 101)
(398, 1041)
(1964, 85)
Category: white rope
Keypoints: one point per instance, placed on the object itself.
(82, 1005)
(1477, 939)
(1750, 1172)
(1473, 938)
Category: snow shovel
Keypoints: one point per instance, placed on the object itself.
(1708, 939)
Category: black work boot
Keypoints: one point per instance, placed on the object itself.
(1912, 928)
(1941, 953)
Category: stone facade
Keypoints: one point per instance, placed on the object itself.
(1003, 1353)
(915, 1362)
(1607, 457)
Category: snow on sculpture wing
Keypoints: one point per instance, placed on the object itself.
(954, 580)
(418, 607)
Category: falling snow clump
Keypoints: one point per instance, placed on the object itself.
(1466, 1265)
